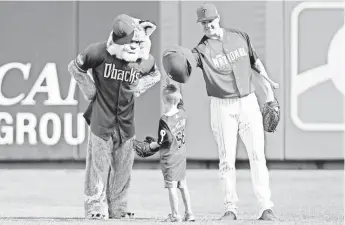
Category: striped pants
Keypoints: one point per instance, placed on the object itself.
(230, 117)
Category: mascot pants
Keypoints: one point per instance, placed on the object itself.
(108, 175)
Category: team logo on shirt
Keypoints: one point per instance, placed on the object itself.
(111, 72)
(223, 61)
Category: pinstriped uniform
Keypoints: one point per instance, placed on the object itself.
(226, 66)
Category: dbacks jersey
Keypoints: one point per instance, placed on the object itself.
(171, 138)
(116, 82)
(227, 64)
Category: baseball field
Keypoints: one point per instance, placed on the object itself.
(55, 196)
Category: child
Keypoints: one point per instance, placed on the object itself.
(172, 148)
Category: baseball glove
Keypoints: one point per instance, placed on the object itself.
(271, 115)
(142, 148)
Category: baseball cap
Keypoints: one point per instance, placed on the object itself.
(178, 63)
(123, 29)
(206, 11)
(179, 54)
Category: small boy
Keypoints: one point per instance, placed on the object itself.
(172, 148)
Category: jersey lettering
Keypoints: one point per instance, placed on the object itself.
(162, 134)
(223, 60)
(180, 138)
(111, 72)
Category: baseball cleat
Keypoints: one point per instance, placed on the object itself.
(268, 215)
(172, 218)
(189, 217)
(229, 216)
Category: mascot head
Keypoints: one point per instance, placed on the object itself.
(129, 39)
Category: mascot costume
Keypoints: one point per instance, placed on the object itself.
(111, 75)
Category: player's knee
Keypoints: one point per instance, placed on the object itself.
(255, 157)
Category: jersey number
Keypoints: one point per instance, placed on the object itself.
(180, 138)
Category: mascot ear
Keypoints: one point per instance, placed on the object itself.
(148, 26)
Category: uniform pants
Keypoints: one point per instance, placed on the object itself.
(108, 175)
(230, 117)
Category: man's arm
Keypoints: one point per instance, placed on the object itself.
(148, 81)
(78, 68)
(257, 65)
(267, 82)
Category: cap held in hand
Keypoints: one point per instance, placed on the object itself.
(178, 63)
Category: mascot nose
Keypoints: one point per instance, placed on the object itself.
(134, 45)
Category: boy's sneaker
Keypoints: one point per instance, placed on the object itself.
(172, 218)
(189, 217)
(121, 215)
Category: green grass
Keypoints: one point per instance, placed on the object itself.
(56, 197)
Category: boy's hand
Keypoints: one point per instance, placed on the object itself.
(154, 146)
(150, 139)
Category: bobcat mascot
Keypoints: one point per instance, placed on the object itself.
(111, 75)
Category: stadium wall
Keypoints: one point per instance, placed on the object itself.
(41, 106)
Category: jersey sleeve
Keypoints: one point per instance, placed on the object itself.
(149, 77)
(252, 53)
(90, 58)
(148, 66)
(164, 134)
(197, 56)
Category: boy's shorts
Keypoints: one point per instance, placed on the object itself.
(175, 184)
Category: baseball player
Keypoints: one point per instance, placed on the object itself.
(226, 58)
(120, 72)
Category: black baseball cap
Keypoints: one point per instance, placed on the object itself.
(207, 11)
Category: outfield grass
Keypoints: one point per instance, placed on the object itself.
(56, 197)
